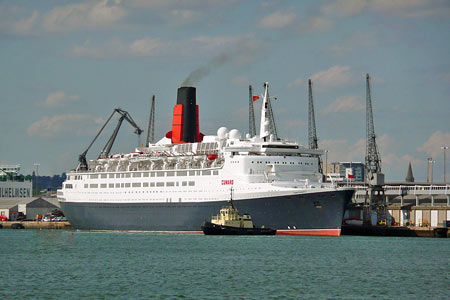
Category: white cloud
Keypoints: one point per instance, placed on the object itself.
(59, 99)
(242, 47)
(434, 143)
(25, 26)
(350, 103)
(355, 41)
(336, 76)
(148, 47)
(91, 15)
(277, 20)
(50, 127)
(411, 8)
(343, 8)
(296, 82)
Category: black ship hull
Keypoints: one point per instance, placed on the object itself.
(318, 213)
(213, 229)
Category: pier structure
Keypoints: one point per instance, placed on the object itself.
(407, 204)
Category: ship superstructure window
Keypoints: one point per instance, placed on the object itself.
(184, 183)
(152, 174)
(206, 172)
(104, 175)
(170, 183)
(191, 183)
(136, 184)
(145, 174)
(136, 174)
(94, 176)
(191, 173)
(160, 174)
(93, 186)
(86, 185)
(111, 185)
(103, 185)
(152, 184)
(69, 186)
(117, 185)
(182, 173)
(127, 184)
(170, 173)
(111, 175)
(145, 184)
(160, 184)
(127, 175)
(215, 172)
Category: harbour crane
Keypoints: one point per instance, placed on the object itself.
(124, 115)
(375, 198)
(151, 124)
(312, 134)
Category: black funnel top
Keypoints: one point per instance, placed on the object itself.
(186, 96)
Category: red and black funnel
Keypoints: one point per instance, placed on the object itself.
(185, 128)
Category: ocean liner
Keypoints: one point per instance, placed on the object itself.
(184, 178)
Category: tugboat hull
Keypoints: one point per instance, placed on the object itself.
(214, 229)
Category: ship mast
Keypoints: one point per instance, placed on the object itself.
(264, 129)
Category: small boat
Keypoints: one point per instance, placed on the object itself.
(229, 222)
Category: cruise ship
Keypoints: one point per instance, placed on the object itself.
(186, 177)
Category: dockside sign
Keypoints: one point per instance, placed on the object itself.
(15, 189)
(15, 192)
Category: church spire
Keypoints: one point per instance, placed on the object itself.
(409, 175)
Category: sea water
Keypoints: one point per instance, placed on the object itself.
(62, 264)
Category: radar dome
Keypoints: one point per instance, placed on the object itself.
(235, 134)
(222, 133)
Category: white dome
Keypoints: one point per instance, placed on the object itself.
(235, 134)
(222, 133)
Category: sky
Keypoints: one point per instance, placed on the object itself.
(65, 66)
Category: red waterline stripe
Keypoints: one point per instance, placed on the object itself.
(321, 232)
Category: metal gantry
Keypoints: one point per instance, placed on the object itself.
(151, 124)
(251, 113)
(375, 198)
(312, 133)
(373, 161)
(124, 115)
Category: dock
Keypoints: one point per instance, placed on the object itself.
(34, 225)
(398, 231)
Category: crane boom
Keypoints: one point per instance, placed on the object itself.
(105, 152)
(151, 124)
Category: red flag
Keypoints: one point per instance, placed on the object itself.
(255, 98)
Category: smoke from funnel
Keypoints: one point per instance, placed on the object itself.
(204, 71)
